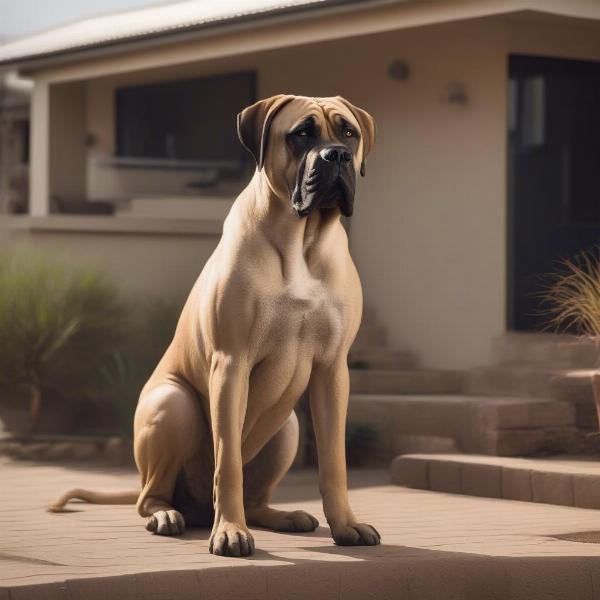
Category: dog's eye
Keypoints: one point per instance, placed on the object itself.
(302, 132)
(348, 132)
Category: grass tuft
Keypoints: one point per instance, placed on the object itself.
(572, 299)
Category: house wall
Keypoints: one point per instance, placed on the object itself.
(146, 264)
(429, 230)
(67, 140)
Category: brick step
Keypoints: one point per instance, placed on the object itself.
(566, 385)
(405, 381)
(568, 481)
(379, 357)
(546, 350)
(485, 425)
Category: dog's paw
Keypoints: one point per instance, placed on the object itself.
(281, 520)
(296, 521)
(231, 540)
(359, 534)
(166, 522)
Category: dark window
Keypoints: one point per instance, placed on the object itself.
(192, 119)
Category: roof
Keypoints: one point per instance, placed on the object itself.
(110, 34)
(154, 21)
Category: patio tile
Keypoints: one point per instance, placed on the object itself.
(553, 488)
(301, 581)
(223, 583)
(516, 484)
(45, 591)
(481, 480)
(586, 490)
(444, 476)
(100, 588)
(434, 546)
(410, 472)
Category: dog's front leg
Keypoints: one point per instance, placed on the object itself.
(328, 390)
(228, 390)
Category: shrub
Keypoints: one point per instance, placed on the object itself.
(58, 326)
(128, 369)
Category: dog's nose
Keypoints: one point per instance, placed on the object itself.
(337, 154)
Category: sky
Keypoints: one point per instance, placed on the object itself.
(23, 17)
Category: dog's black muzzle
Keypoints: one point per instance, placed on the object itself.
(326, 179)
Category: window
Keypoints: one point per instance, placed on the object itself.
(188, 120)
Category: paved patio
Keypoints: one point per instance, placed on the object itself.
(435, 546)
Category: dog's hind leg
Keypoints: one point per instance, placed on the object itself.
(264, 472)
(169, 431)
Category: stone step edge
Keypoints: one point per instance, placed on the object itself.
(569, 482)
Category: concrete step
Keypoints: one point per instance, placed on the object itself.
(568, 481)
(380, 357)
(405, 381)
(368, 316)
(546, 350)
(370, 336)
(484, 425)
(568, 385)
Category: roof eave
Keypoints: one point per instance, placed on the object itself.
(79, 53)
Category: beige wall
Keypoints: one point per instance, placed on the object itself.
(67, 140)
(158, 265)
(429, 231)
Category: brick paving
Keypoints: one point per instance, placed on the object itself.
(435, 546)
(565, 480)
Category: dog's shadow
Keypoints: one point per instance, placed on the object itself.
(202, 533)
(361, 553)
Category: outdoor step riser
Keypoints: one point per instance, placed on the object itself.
(497, 481)
(525, 442)
(493, 381)
(546, 350)
(512, 382)
(438, 425)
(368, 316)
(364, 381)
(369, 336)
(381, 358)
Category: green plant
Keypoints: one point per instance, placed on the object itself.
(58, 325)
(122, 381)
(572, 299)
(128, 369)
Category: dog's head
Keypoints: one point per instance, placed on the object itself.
(310, 149)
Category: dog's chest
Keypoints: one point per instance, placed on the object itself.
(306, 311)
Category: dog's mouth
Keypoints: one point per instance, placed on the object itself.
(323, 189)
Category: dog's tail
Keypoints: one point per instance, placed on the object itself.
(129, 497)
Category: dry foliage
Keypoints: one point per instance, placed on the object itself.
(572, 300)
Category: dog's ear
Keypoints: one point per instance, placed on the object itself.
(253, 125)
(367, 128)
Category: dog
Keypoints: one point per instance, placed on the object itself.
(273, 313)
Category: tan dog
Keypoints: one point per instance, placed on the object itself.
(273, 312)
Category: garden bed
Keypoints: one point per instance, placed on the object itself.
(63, 448)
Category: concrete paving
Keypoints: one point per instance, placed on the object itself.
(435, 545)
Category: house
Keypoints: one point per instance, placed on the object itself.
(484, 173)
